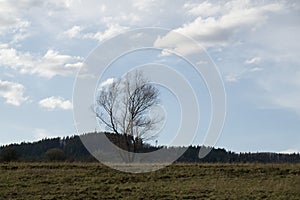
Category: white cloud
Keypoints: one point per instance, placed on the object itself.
(107, 82)
(220, 29)
(243, 73)
(108, 33)
(49, 65)
(202, 62)
(112, 30)
(143, 4)
(232, 78)
(164, 53)
(256, 69)
(13, 24)
(3, 45)
(175, 42)
(73, 32)
(9, 16)
(254, 60)
(204, 9)
(52, 103)
(12, 92)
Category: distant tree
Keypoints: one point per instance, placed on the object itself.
(55, 154)
(8, 154)
(123, 108)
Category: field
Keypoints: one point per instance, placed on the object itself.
(178, 181)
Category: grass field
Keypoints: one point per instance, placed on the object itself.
(178, 181)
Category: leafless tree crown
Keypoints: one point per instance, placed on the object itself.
(123, 106)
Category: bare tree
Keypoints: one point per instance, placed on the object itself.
(123, 107)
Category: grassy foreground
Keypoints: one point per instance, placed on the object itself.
(178, 181)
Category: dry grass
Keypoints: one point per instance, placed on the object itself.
(178, 181)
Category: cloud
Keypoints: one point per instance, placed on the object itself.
(232, 78)
(73, 32)
(143, 4)
(9, 16)
(52, 103)
(256, 69)
(254, 60)
(3, 45)
(49, 65)
(204, 9)
(244, 73)
(12, 92)
(164, 53)
(111, 31)
(107, 82)
(14, 25)
(221, 28)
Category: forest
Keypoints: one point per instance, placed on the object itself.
(71, 149)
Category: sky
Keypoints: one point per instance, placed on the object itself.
(255, 45)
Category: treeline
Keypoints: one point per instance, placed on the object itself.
(71, 149)
(219, 155)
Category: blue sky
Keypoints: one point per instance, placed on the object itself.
(255, 45)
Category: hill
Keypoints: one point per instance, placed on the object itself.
(71, 149)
